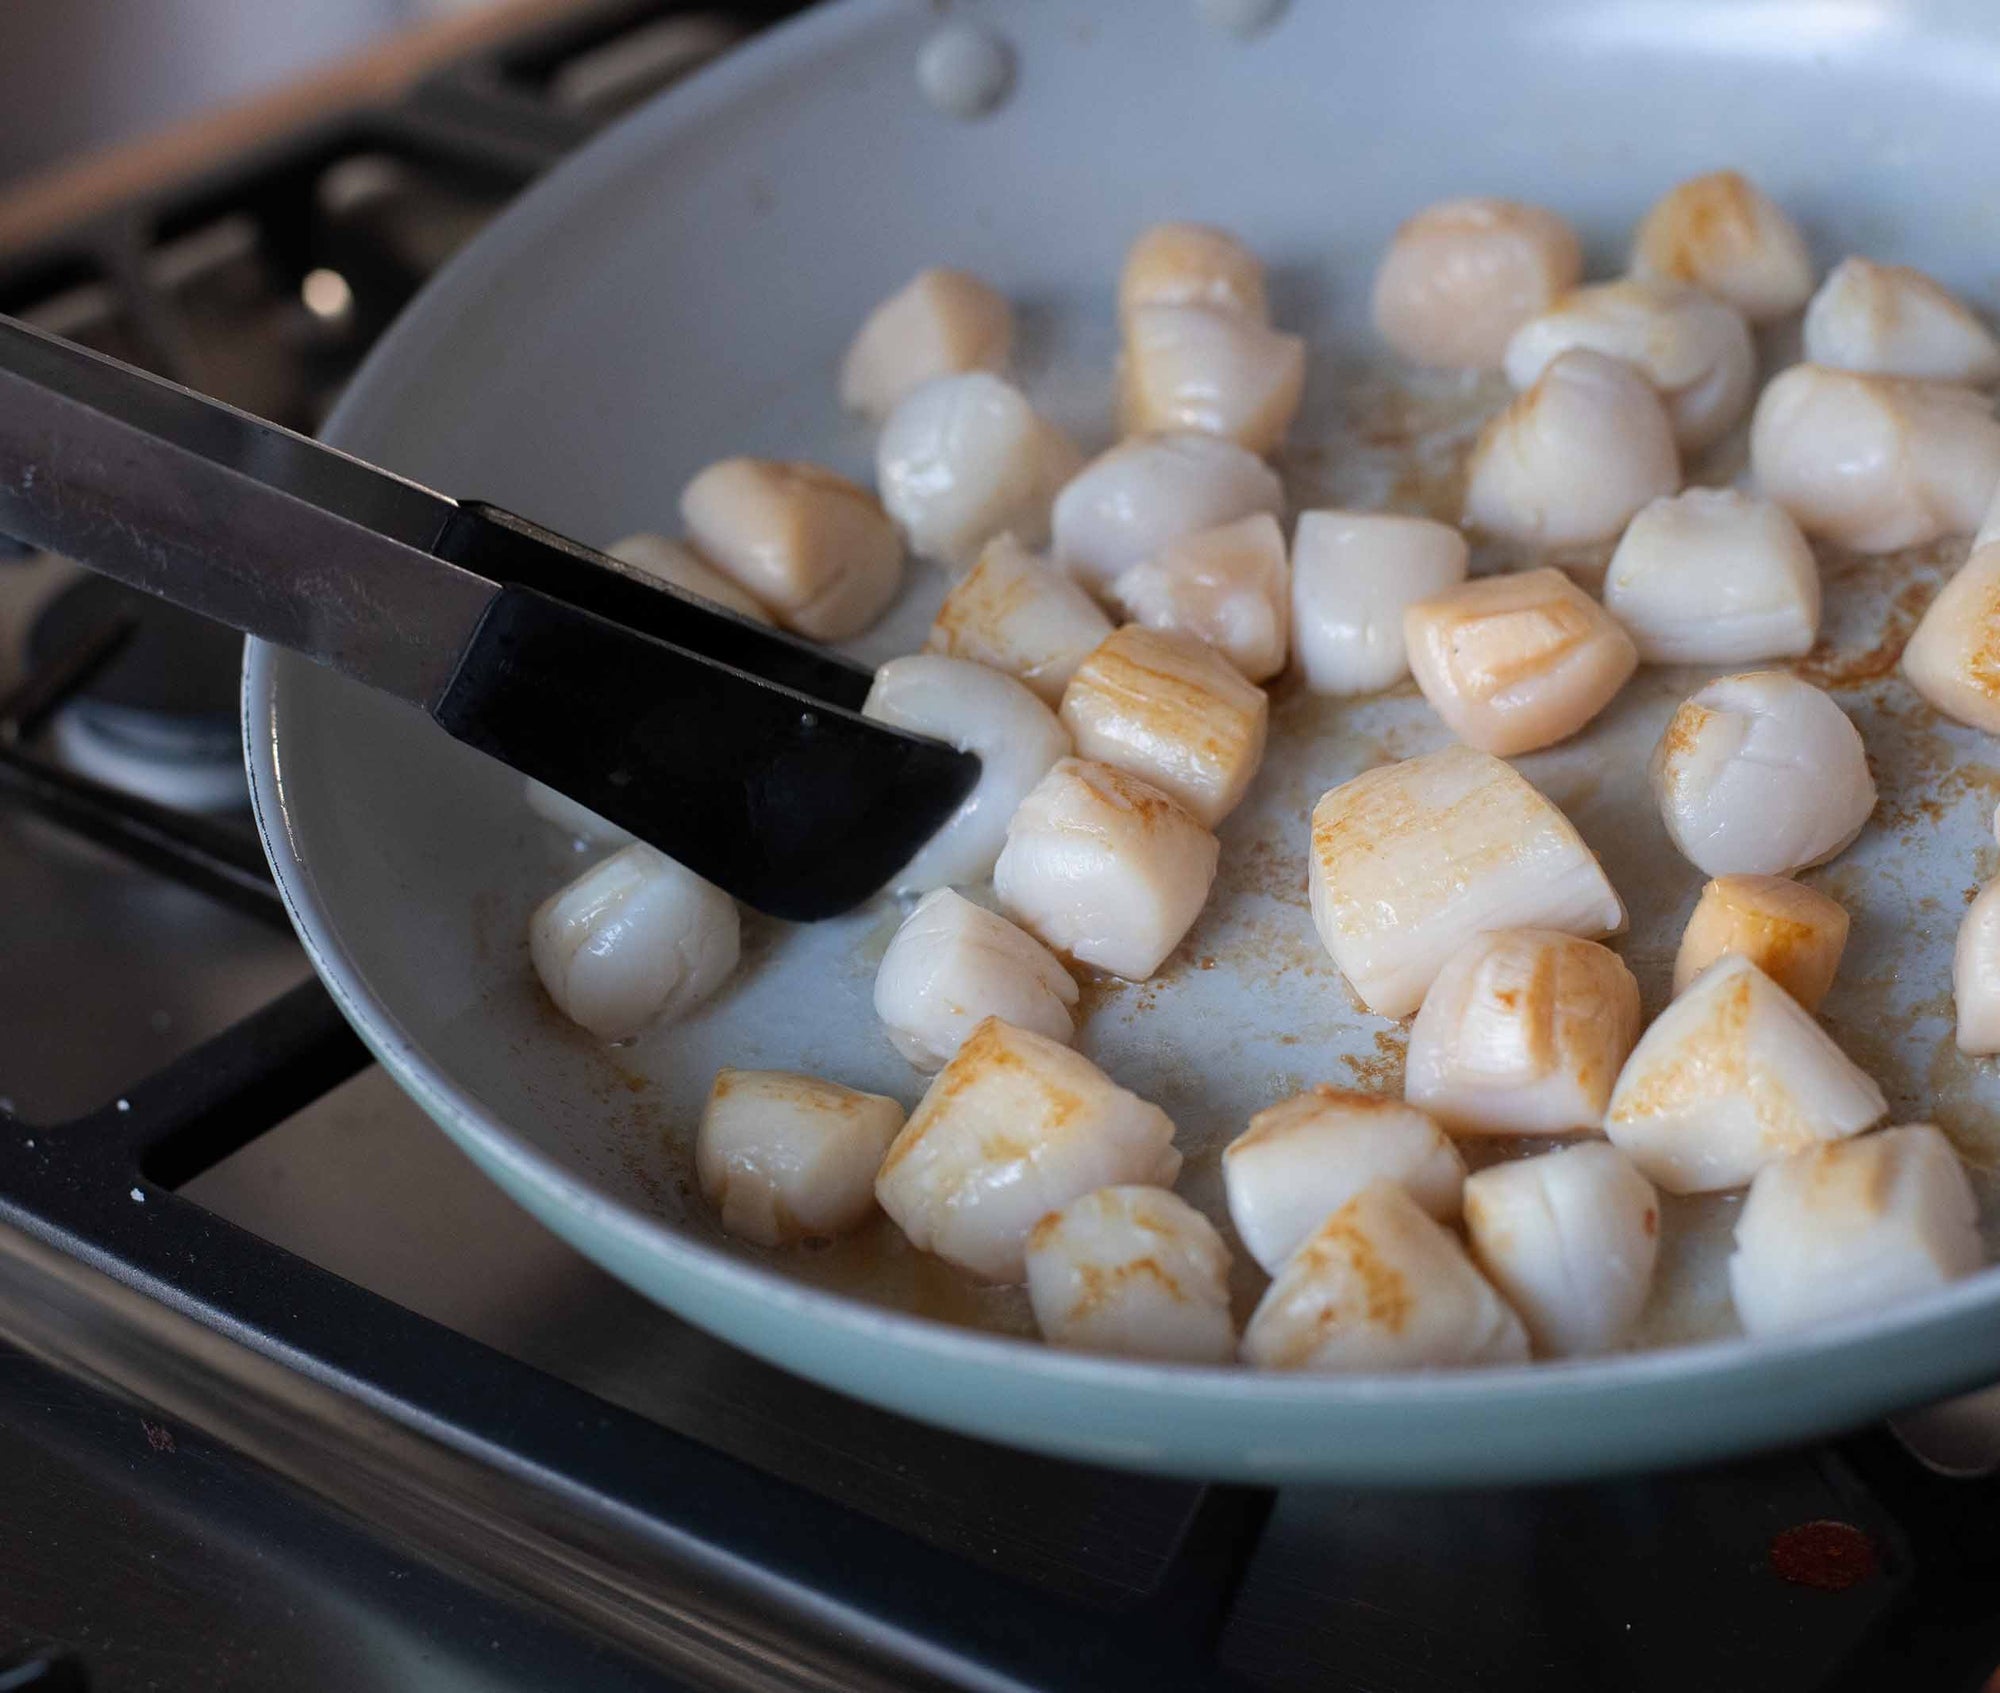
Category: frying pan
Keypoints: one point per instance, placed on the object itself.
(682, 290)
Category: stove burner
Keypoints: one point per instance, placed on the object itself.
(160, 719)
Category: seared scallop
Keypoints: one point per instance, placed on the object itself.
(1192, 264)
(1135, 1272)
(1015, 736)
(1411, 860)
(1229, 587)
(1105, 868)
(1462, 276)
(1015, 1126)
(682, 567)
(940, 323)
(1522, 1033)
(1381, 1286)
(1017, 614)
(1794, 934)
(1210, 369)
(1890, 320)
(1171, 710)
(1302, 1159)
(1714, 576)
(1517, 662)
(952, 965)
(1839, 1231)
(634, 939)
(1763, 775)
(1950, 659)
(1725, 235)
(1570, 1238)
(1354, 575)
(1733, 1076)
(1975, 974)
(784, 1158)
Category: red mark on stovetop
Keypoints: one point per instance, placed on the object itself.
(158, 1436)
(1831, 1556)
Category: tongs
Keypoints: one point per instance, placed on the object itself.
(736, 749)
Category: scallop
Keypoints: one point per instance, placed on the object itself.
(635, 939)
(1733, 1076)
(1794, 934)
(1570, 1239)
(1975, 974)
(1016, 614)
(1302, 1159)
(1722, 233)
(1522, 1033)
(1693, 348)
(1229, 587)
(965, 458)
(952, 965)
(1840, 1231)
(1462, 276)
(682, 567)
(1105, 868)
(1354, 574)
(1763, 775)
(1015, 1126)
(1210, 369)
(1953, 658)
(1890, 320)
(1410, 860)
(1874, 462)
(1124, 506)
(1016, 737)
(816, 550)
(1714, 576)
(784, 1158)
(1381, 1286)
(1517, 662)
(1134, 1272)
(1171, 710)
(1989, 525)
(1192, 264)
(941, 323)
(1571, 461)
(579, 822)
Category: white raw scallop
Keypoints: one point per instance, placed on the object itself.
(1015, 736)
(1840, 1231)
(963, 459)
(1105, 868)
(1572, 459)
(1570, 1239)
(1135, 1272)
(1763, 775)
(1517, 661)
(953, 964)
(940, 323)
(784, 1158)
(1381, 1286)
(579, 822)
(1890, 320)
(1171, 710)
(1975, 974)
(1462, 276)
(1732, 1076)
(1354, 574)
(1302, 1159)
(1522, 1033)
(634, 939)
(1875, 462)
(1015, 1126)
(1015, 613)
(1714, 576)
(1725, 235)
(1411, 860)
(1192, 264)
(1128, 503)
(1211, 369)
(1229, 587)
(1950, 657)
(1694, 349)
(813, 548)
(686, 569)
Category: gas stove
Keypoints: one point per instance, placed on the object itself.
(291, 1397)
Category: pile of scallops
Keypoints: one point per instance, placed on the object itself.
(1104, 648)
